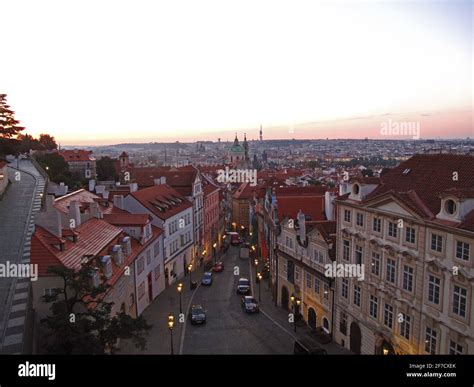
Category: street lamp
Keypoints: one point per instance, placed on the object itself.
(259, 276)
(255, 261)
(180, 288)
(214, 252)
(296, 303)
(170, 327)
(190, 268)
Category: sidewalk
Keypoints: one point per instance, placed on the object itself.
(159, 337)
(279, 316)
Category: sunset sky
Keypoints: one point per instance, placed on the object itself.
(104, 72)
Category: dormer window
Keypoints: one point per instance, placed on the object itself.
(450, 206)
(356, 189)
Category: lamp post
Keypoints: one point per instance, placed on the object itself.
(170, 327)
(190, 268)
(214, 252)
(259, 276)
(180, 288)
(296, 303)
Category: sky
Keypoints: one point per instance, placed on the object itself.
(105, 72)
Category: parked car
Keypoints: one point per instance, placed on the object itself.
(308, 347)
(235, 238)
(243, 286)
(207, 278)
(218, 267)
(197, 315)
(250, 304)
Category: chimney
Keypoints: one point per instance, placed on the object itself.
(118, 201)
(95, 210)
(133, 187)
(75, 213)
(91, 185)
(302, 226)
(163, 179)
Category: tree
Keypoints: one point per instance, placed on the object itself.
(27, 142)
(8, 124)
(56, 167)
(47, 142)
(81, 321)
(106, 169)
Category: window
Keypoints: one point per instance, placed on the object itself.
(430, 340)
(388, 316)
(373, 306)
(433, 289)
(345, 287)
(358, 254)
(407, 278)
(141, 290)
(289, 242)
(436, 243)
(375, 263)
(50, 292)
(377, 225)
(285, 268)
(462, 250)
(390, 273)
(450, 206)
(326, 293)
(343, 323)
(360, 219)
(156, 249)
(140, 265)
(317, 285)
(309, 281)
(455, 348)
(157, 273)
(459, 301)
(347, 216)
(392, 230)
(319, 256)
(410, 235)
(148, 257)
(357, 291)
(346, 250)
(405, 326)
(297, 274)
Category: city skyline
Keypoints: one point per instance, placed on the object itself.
(207, 71)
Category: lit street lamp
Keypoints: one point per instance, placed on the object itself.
(259, 276)
(170, 327)
(190, 268)
(180, 288)
(296, 303)
(214, 252)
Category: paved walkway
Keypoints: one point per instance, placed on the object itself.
(17, 208)
(279, 316)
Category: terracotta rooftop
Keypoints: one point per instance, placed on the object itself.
(76, 155)
(162, 200)
(127, 219)
(83, 197)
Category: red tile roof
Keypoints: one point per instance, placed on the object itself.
(83, 197)
(292, 199)
(93, 236)
(423, 178)
(127, 219)
(76, 155)
(162, 200)
(3, 164)
(181, 179)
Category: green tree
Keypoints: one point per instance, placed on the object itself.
(47, 142)
(56, 167)
(8, 124)
(106, 169)
(94, 330)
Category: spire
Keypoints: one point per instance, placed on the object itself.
(261, 133)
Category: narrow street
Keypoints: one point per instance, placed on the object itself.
(229, 330)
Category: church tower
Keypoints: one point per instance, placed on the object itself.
(246, 148)
(261, 133)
